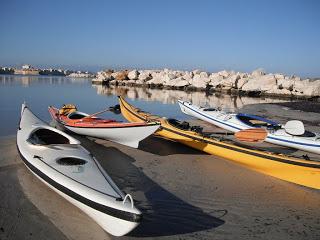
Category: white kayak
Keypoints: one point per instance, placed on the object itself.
(292, 134)
(59, 161)
(129, 134)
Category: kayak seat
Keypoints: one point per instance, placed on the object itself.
(76, 115)
(210, 109)
(256, 121)
(70, 161)
(47, 137)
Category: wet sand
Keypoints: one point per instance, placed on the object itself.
(183, 194)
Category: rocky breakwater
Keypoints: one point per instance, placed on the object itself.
(257, 83)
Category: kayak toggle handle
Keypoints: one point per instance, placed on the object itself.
(125, 198)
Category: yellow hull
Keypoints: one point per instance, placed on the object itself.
(302, 172)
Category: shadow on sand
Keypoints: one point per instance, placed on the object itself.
(164, 147)
(163, 213)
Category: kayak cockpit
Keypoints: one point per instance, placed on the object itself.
(44, 136)
(210, 109)
(71, 161)
(257, 122)
(77, 115)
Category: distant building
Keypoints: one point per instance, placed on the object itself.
(27, 70)
(25, 67)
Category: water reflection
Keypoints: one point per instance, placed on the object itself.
(38, 79)
(165, 96)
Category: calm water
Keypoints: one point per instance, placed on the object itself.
(39, 92)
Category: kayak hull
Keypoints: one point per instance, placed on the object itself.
(87, 186)
(302, 172)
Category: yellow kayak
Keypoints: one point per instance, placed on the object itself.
(299, 171)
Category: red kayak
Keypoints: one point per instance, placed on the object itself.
(129, 134)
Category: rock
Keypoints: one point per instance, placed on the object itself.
(133, 75)
(229, 82)
(224, 73)
(171, 76)
(200, 82)
(306, 88)
(255, 83)
(258, 73)
(241, 82)
(102, 78)
(262, 83)
(299, 87)
(121, 75)
(243, 75)
(180, 82)
(312, 89)
(215, 79)
(188, 76)
(279, 76)
(204, 75)
(285, 83)
(197, 71)
(145, 76)
(295, 78)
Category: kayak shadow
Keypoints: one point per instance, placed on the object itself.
(164, 214)
(164, 147)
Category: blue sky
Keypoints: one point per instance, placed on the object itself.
(279, 36)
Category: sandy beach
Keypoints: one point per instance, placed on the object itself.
(183, 194)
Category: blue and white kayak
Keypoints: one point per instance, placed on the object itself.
(292, 134)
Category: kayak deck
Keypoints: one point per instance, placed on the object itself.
(228, 137)
(89, 122)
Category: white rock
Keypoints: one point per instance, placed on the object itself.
(258, 72)
(171, 76)
(199, 82)
(262, 83)
(300, 86)
(312, 89)
(279, 76)
(145, 76)
(229, 82)
(188, 76)
(275, 90)
(224, 73)
(204, 75)
(306, 88)
(180, 82)
(241, 82)
(156, 80)
(133, 75)
(285, 83)
(114, 74)
(215, 79)
(196, 71)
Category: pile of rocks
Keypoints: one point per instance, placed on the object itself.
(80, 74)
(256, 83)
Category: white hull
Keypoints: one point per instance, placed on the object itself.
(129, 136)
(230, 122)
(87, 186)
